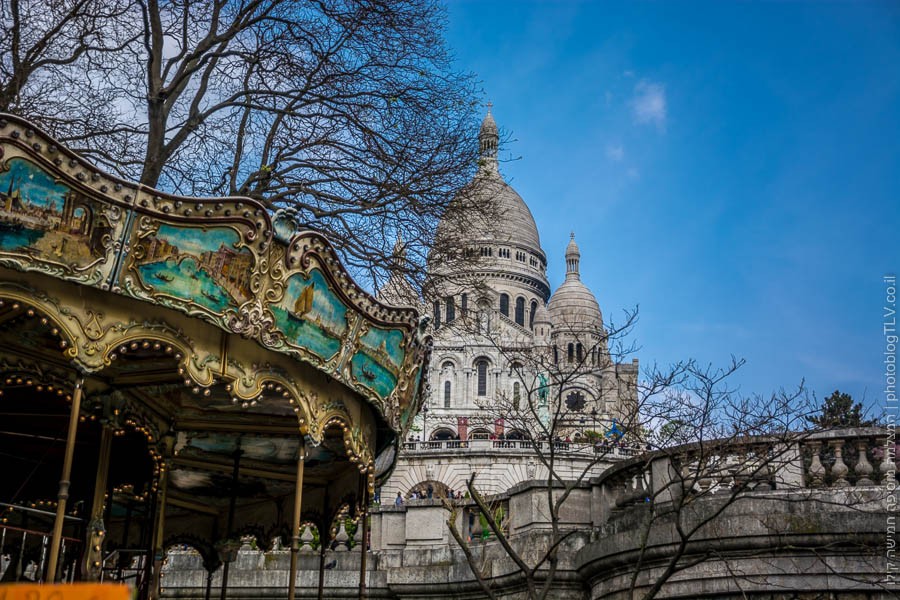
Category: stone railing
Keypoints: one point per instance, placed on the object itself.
(770, 514)
(857, 457)
(837, 458)
(613, 450)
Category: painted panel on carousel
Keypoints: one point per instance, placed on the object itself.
(311, 316)
(377, 363)
(42, 219)
(411, 409)
(208, 267)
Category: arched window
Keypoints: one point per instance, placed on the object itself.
(479, 434)
(481, 367)
(446, 394)
(437, 315)
(571, 353)
(533, 310)
(504, 305)
(464, 304)
(517, 395)
(447, 366)
(520, 311)
(579, 352)
(442, 434)
(555, 355)
(451, 309)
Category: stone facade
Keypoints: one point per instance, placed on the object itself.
(491, 304)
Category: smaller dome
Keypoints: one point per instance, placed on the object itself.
(573, 305)
(541, 315)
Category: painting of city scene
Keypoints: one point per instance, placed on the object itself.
(46, 219)
(203, 266)
(311, 315)
(377, 364)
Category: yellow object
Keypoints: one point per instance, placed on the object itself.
(64, 591)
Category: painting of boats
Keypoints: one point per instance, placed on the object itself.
(377, 363)
(310, 315)
(205, 266)
(45, 219)
(304, 303)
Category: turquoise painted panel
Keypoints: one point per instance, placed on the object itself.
(202, 266)
(373, 375)
(386, 345)
(46, 219)
(377, 364)
(311, 315)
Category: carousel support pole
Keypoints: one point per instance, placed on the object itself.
(231, 508)
(158, 532)
(295, 523)
(324, 534)
(63, 495)
(209, 578)
(365, 539)
(93, 558)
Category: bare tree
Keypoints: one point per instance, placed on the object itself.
(48, 53)
(560, 385)
(699, 450)
(347, 111)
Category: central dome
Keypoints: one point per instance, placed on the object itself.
(494, 212)
(488, 209)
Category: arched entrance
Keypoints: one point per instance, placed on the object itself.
(443, 434)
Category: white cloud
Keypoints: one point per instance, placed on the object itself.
(615, 152)
(649, 103)
(633, 173)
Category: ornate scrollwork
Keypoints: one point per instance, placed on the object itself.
(254, 320)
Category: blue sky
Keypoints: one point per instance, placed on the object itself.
(731, 168)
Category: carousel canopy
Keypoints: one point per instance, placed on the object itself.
(213, 336)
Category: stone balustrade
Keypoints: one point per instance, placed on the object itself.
(840, 458)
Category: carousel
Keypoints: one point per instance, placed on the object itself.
(179, 372)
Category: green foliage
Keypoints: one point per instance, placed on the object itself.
(498, 517)
(485, 527)
(593, 436)
(839, 410)
(350, 525)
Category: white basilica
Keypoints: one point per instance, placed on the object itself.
(501, 339)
